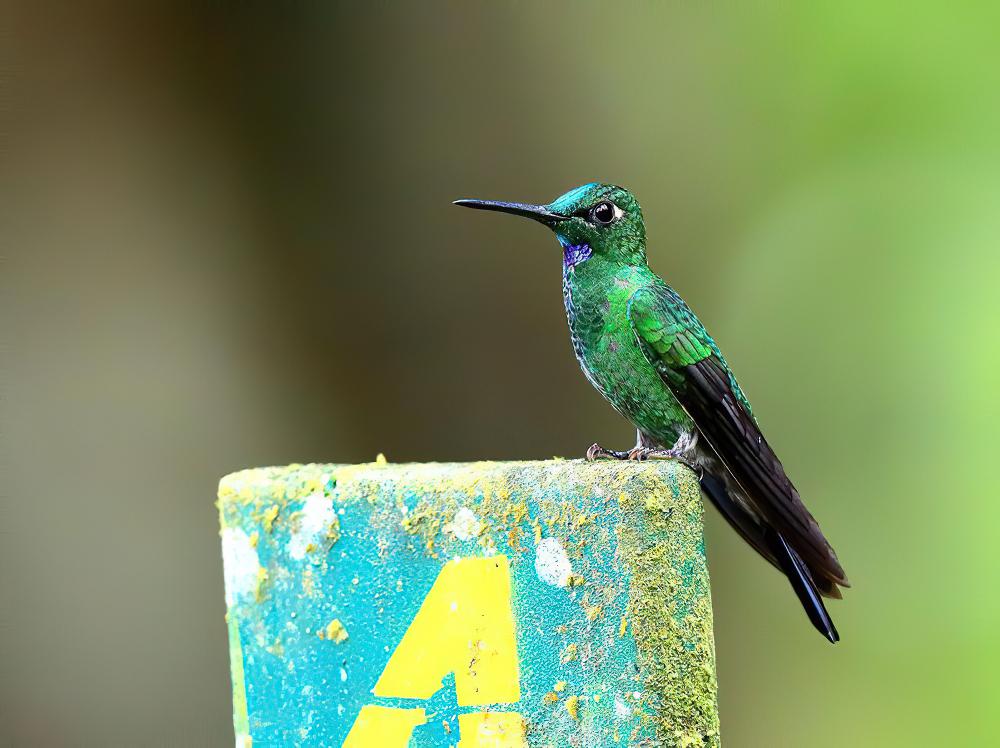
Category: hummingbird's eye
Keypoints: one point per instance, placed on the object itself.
(605, 213)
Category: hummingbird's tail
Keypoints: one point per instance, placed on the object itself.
(802, 582)
(769, 543)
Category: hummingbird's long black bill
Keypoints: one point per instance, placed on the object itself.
(537, 212)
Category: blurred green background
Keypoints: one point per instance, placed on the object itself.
(228, 242)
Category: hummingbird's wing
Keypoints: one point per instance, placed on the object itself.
(691, 365)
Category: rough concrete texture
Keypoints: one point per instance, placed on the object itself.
(556, 603)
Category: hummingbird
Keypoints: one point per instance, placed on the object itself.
(640, 345)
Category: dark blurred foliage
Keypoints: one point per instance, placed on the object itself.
(227, 241)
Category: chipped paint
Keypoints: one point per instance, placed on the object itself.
(317, 522)
(491, 730)
(242, 567)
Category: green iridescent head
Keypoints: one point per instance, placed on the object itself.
(603, 218)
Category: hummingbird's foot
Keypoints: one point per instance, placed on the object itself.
(597, 452)
(641, 454)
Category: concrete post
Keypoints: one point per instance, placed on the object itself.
(493, 604)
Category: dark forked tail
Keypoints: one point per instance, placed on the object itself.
(771, 545)
(804, 586)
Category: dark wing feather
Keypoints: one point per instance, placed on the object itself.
(691, 365)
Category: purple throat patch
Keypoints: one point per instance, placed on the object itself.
(574, 254)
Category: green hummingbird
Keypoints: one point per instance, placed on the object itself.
(647, 353)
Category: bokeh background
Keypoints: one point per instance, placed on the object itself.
(227, 242)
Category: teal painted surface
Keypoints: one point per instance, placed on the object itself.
(306, 545)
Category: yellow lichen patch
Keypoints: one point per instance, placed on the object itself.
(550, 698)
(593, 612)
(334, 632)
(310, 485)
(259, 590)
(254, 539)
(559, 686)
(424, 520)
(270, 515)
(276, 648)
(687, 739)
(333, 531)
(669, 611)
(488, 546)
(573, 706)
(514, 535)
(568, 654)
(623, 626)
(575, 580)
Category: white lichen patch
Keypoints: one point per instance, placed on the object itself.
(551, 562)
(465, 525)
(316, 521)
(241, 564)
(622, 710)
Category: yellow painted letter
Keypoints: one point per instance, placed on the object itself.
(465, 626)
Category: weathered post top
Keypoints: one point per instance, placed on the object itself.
(500, 604)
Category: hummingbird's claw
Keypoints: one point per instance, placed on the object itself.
(641, 454)
(597, 452)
